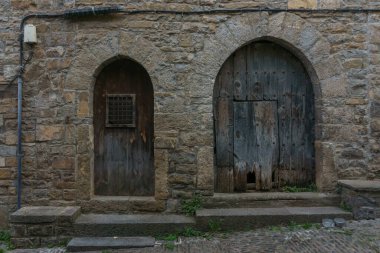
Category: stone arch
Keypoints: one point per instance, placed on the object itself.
(93, 55)
(297, 36)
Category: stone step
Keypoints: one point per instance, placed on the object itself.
(80, 244)
(249, 218)
(130, 224)
(271, 199)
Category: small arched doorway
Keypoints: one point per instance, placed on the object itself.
(263, 120)
(123, 131)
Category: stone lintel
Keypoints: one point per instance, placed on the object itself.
(361, 185)
(45, 214)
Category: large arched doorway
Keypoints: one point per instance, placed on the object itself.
(123, 131)
(263, 120)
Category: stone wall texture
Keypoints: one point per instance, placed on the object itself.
(182, 54)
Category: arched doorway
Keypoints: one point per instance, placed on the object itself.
(123, 131)
(263, 120)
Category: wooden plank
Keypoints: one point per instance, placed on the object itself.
(224, 85)
(298, 123)
(255, 82)
(223, 124)
(265, 118)
(240, 74)
(245, 150)
(225, 179)
(284, 115)
(240, 176)
(224, 132)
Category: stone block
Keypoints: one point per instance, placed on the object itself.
(334, 87)
(39, 230)
(329, 4)
(28, 242)
(5, 174)
(1, 120)
(205, 161)
(83, 139)
(63, 163)
(304, 4)
(6, 150)
(49, 132)
(374, 31)
(2, 161)
(18, 230)
(161, 165)
(83, 105)
(4, 215)
(44, 214)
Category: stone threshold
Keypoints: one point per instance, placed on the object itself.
(271, 199)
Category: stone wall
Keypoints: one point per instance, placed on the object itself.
(182, 54)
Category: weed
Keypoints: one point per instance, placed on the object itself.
(192, 205)
(191, 232)
(309, 188)
(169, 245)
(275, 229)
(106, 251)
(307, 225)
(294, 226)
(5, 237)
(345, 207)
(214, 226)
(170, 237)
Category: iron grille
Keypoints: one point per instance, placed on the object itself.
(121, 110)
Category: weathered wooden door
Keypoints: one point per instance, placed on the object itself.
(123, 131)
(263, 119)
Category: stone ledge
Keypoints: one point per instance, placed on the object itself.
(361, 185)
(45, 214)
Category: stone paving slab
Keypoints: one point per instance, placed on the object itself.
(79, 244)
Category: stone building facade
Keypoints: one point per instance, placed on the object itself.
(182, 54)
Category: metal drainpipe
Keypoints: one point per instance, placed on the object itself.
(19, 121)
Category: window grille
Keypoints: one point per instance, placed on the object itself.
(120, 110)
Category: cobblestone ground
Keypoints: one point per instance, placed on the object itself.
(357, 237)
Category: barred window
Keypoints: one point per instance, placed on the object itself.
(120, 110)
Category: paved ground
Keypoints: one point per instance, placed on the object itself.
(357, 237)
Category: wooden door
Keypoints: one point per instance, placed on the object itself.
(123, 131)
(265, 74)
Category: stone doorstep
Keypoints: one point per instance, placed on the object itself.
(45, 214)
(243, 218)
(271, 199)
(79, 244)
(361, 185)
(130, 225)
